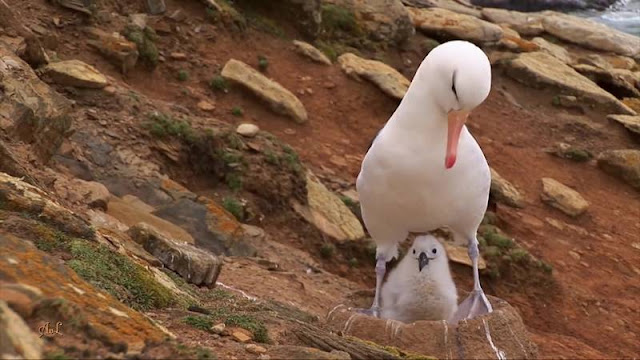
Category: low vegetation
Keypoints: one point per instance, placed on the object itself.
(237, 111)
(163, 126)
(218, 83)
(263, 63)
(234, 207)
(504, 255)
(108, 270)
(145, 40)
(183, 75)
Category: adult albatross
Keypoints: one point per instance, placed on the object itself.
(424, 170)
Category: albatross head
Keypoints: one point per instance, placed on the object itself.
(459, 75)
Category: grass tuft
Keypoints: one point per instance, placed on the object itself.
(199, 322)
(234, 207)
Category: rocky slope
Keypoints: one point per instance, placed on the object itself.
(177, 179)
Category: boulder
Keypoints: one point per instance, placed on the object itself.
(500, 334)
(17, 195)
(29, 108)
(195, 265)
(632, 123)
(382, 20)
(591, 34)
(212, 227)
(540, 69)
(527, 24)
(552, 49)
(310, 51)
(119, 51)
(278, 98)
(16, 337)
(388, 79)
(621, 83)
(31, 49)
(328, 213)
(458, 6)
(563, 197)
(503, 191)
(131, 214)
(306, 15)
(442, 23)
(624, 164)
(74, 73)
(90, 193)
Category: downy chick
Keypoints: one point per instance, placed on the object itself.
(420, 287)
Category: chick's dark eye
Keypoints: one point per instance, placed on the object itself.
(414, 251)
(434, 251)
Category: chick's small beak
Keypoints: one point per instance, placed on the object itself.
(423, 261)
(456, 122)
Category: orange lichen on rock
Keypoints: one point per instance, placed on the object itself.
(110, 319)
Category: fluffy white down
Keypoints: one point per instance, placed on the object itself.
(410, 295)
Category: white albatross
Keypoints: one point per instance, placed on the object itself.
(424, 170)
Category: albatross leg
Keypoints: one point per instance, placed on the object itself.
(476, 303)
(381, 269)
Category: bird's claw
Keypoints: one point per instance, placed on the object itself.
(373, 311)
(476, 304)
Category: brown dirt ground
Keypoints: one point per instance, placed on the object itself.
(595, 312)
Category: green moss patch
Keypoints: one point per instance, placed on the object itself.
(118, 275)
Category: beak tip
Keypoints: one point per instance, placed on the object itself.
(449, 162)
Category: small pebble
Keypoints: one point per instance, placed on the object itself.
(248, 130)
(218, 329)
(255, 349)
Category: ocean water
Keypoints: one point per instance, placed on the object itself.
(624, 15)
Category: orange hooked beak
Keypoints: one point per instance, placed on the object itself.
(456, 122)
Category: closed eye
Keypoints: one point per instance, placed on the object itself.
(453, 85)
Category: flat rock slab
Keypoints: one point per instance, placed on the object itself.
(388, 79)
(624, 81)
(132, 214)
(624, 164)
(632, 123)
(74, 73)
(563, 197)
(453, 5)
(552, 49)
(500, 335)
(591, 34)
(195, 265)
(212, 227)
(279, 99)
(328, 213)
(541, 69)
(528, 24)
(449, 24)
